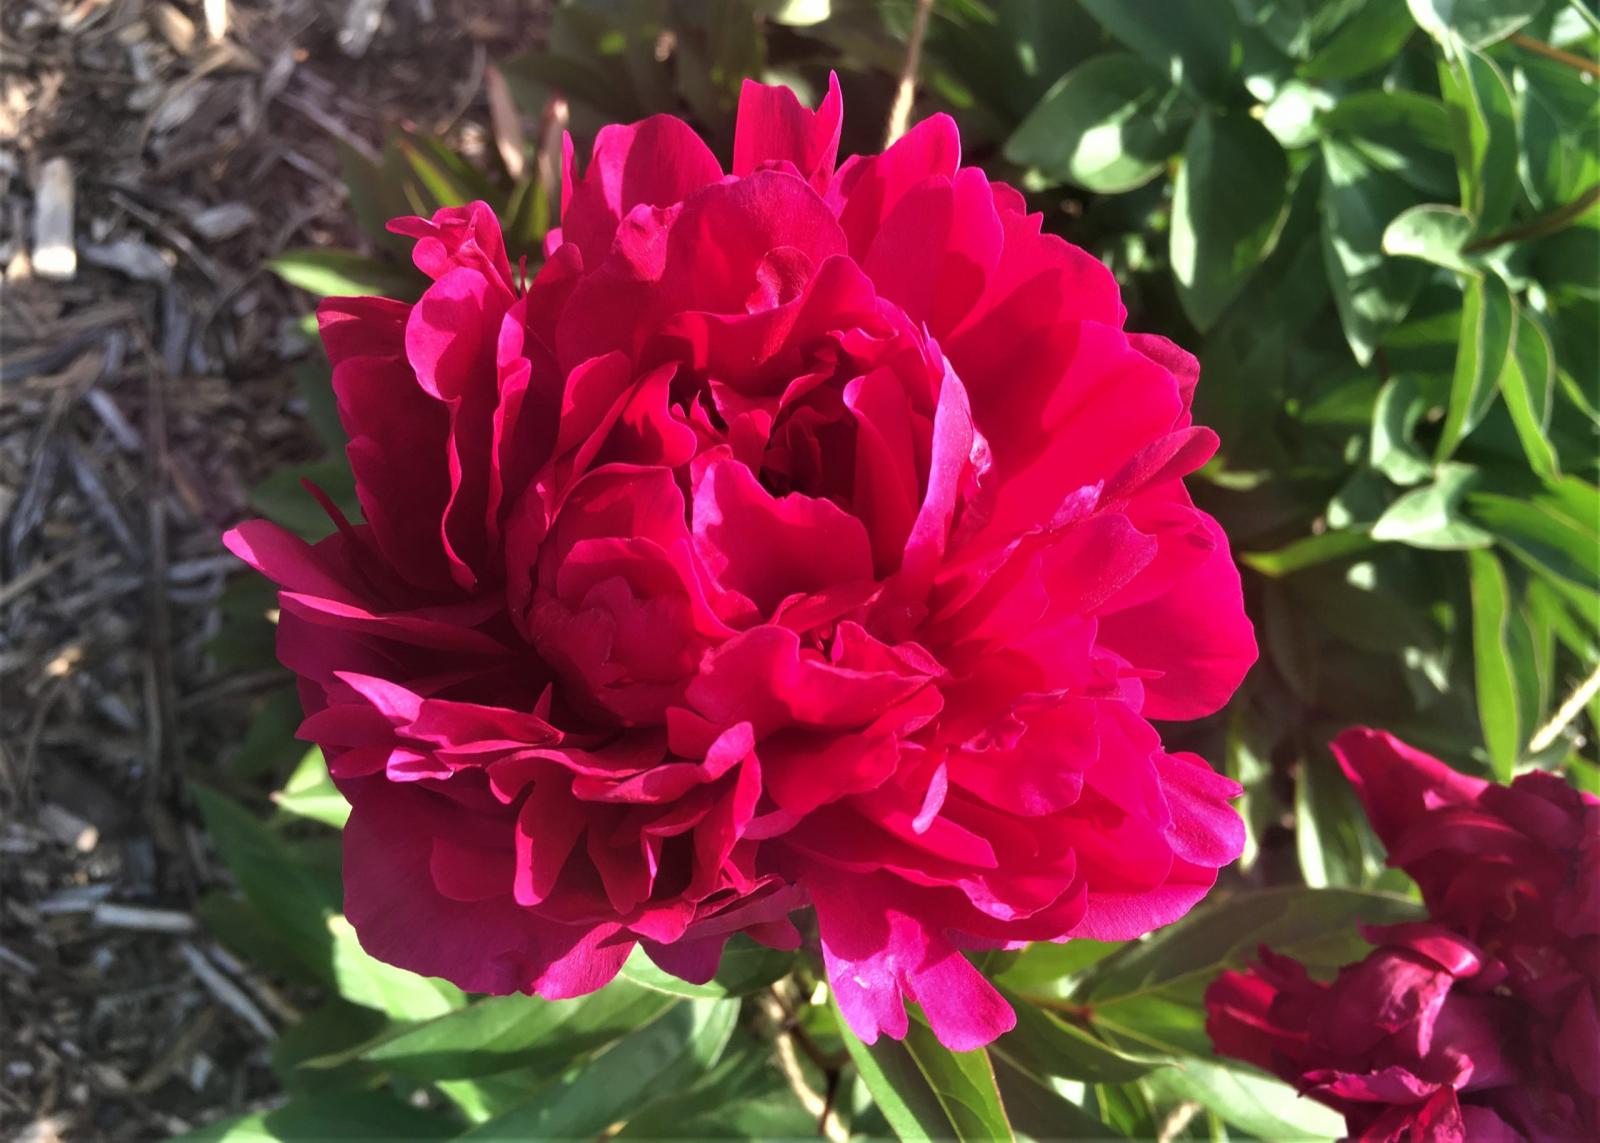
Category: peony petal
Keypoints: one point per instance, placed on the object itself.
(874, 954)
(867, 188)
(768, 548)
(762, 677)
(1397, 783)
(936, 250)
(772, 126)
(1197, 635)
(459, 236)
(492, 946)
(655, 162)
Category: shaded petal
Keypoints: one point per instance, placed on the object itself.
(492, 946)
(768, 548)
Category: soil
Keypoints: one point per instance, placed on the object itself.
(141, 399)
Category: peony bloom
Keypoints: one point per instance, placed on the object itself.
(1412, 1043)
(1478, 1025)
(796, 536)
(1515, 868)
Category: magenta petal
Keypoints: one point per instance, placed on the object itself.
(772, 126)
(655, 162)
(1196, 635)
(875, 955)
(458, 236)
(490, 946)
(768, 548)
(689, 960)
(1396, 782)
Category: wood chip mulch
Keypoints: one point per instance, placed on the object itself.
(153, 155)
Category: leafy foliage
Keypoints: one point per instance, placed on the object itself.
(1377, 222)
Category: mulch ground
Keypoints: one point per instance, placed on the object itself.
(140, 400)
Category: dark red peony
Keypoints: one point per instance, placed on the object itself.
(1477, 1026)
(795, 537)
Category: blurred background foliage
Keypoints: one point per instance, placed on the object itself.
(1376, 222)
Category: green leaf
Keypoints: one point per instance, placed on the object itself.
(1045, 1045)
(315, 387)
(330, 1028)
(1008, 54)
(448, 178)
(375, 196)
(1478, 22)
(1528, 384)
(1247, 761)
(1191, 41)
(1102, 126)
(296, 898)
(1431, 516)
(1552, 531)
(1285, 23)
(1335, 846)
(1227, 204)
(1151, 995)
(527, 219)
(1127, 1109)
(1037, 1111)
(1488, 324)
(310, 793)
(746, 967)
(344, 1116)
(1291, 114)
(283, 499)
(1495, 682)
(1432, 233)
(1265, 1107)
(1307, 552)
(1372, 291)
(269, 745)
(505, 1032)
(925, 1090)
(743, 1097)
(583, 1102)
(1560, 120)
(1483, 122)
(1364, 42)
(1402, 133)
(344, 273)
(480, 1100)
(242, 928)
(1045, 969)
(1399, 407)
(398, 993)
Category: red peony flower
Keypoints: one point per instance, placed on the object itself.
(796, 536)
(1479, 1025)
(1412, 1043)
(1515, 868)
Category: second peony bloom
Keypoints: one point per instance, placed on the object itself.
(796, 537)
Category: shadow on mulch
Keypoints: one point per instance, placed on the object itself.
(139, 400)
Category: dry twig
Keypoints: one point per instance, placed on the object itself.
(906, 92)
